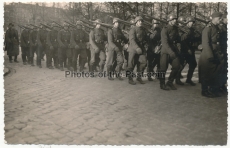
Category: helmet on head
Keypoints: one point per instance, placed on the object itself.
(138, 18)
(132, 21)
(155, 22)
(171, 17)
(190, 19)
(78, 23)
(65, 24)
(97, 21)
(115, 20)
(182, 19)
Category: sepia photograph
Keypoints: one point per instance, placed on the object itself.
(115, 73)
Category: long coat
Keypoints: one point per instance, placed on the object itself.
(211, 59)
(12, 42)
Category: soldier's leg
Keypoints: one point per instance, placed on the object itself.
(191, 60)
(182, 60)
(102, 58)
(164, 61)
(82, 59)
(120, 62)
(32, 50)
(61, 57)
(150, 59)
(174, 71)
(142, 61)
(56, 59)
(39, 55)
(132, 61)
(110, 60)
(28, 55)
(23, 51)
(92, 60)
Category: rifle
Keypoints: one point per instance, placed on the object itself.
(22, 27)
(46, 26)
(87, 22)
(60, 26)
(163, 21)
(203, 21)
(103, 24)
(34, 26)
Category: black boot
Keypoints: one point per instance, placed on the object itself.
(178, 81)
(170, 84)
(162, 85)
(207, 94)
(109, 73)
(32, 61)
(139, 79)
(131, 81)
(190, 82)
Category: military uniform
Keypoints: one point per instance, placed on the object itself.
(33, 44)
(138, 45)
(64, 50)
(211, 60)
(187, 54)
(78, 42)
(12, 43)
(169, 54)
(97, 49)
(25, 46)
(153, 58)
(52, 48)
(41, 41)
(115, 57)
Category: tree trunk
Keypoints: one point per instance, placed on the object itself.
(190, 8)
(195, 10)
(137, 5)
(91, 10)
(167, 9)
(218, 6)
(178, 10)
(160, 10)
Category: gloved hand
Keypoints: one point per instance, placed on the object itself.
(190, 52)
(139, 51)
(125, 47)
(116, 49)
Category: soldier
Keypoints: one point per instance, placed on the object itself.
(137, 50)
(211, 59)
(79, 38)
(115, 56)
(169, 53)
(153, 58)
(187, 51)
(12, 43)
(223, 42)
(33, 44)
(52, 47)
(41, 41)
(97, 48)
(64, 50)
(25, 46)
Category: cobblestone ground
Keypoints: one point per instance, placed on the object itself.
(43, 107)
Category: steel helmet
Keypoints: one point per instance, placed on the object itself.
(182, 19)
(171, 17)
(138, 18)
(190, 19)
(115, 20)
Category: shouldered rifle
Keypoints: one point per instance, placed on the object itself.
(60, 26)
(22, 27)
(46, 26)
(87, 22)
(103, 24)
(203, 21)
(34, 26)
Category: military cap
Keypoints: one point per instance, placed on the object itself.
(171, 17)
(155, 22)
(190, 19)
(138, 18)
(216, 14)
(65, 24)
(115, 20)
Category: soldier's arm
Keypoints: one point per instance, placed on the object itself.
(110, 39)
(60, 43)
(206, 40)
(86, 37)
(91, 40)
(165, 41)
(30, 38)
(124, 39)
(22, 39)
(132, 39)
(185, 35)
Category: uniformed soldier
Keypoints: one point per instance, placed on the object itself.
(79, 38)
(152, 57)
(25, 45)
(64, 50)
(12, 43)
(115, 57)
(33, 44)
(211, 59)
(52, 47)
(97, 40)
(169, 53)
(187, 51)
(138, 41)
(41, 41)
(223, 42)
